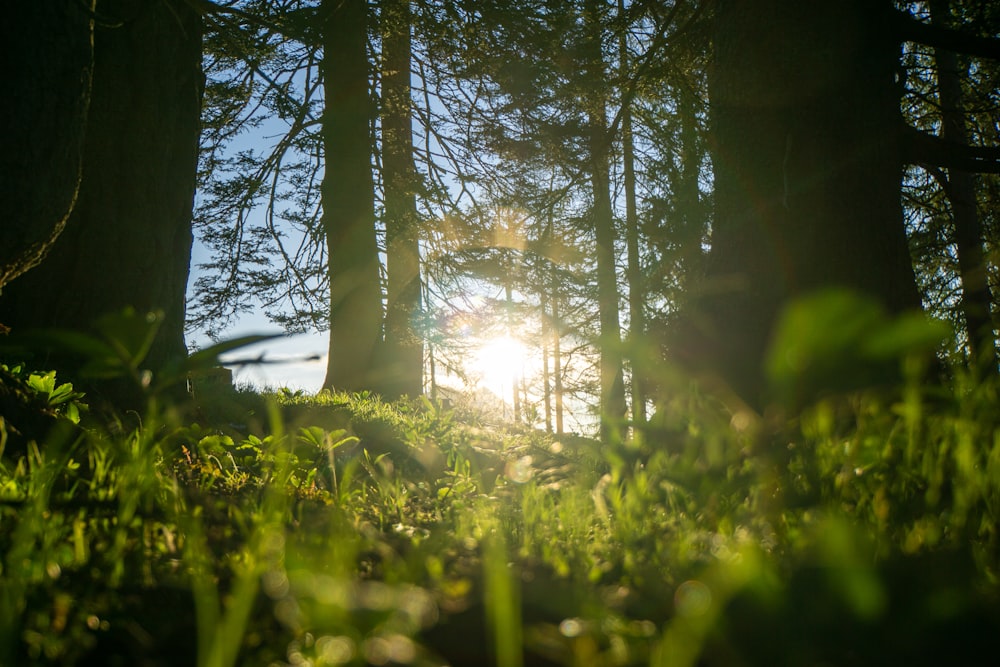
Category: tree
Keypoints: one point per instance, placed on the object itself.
(272, 207)
(49, 51)
(348, 199)
(808, 163)
(633, 271)
(599, 146)
(402, 360)
(128, 239)
(960, 188)
(534, 114)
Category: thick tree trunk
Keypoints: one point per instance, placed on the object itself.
(348, 200)
(961, 192)
(403, 355)
(806, 121)
(128, 240)
(48, 48)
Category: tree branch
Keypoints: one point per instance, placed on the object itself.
(913, 30)
(921, 148)
(293, 25)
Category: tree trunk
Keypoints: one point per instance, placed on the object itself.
(508, 291)
(128, 240)
(636, 283)
(557, 369)
(546, 376)
(612, 381)
(806, 122)
(961, 192)
(49, 54)
(403, 354)
(552, 333)
(690, 213)
(348, 200)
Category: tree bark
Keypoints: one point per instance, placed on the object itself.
(128, 240)
(403, 353)
(636, 282)
(552, 332)
(48, 49)
(613, 406)
(961, 192)
(806, 123)
(557, 368)
(348, 200)
(508, 291)
(546, 373)
(691, 218)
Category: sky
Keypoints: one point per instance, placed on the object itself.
(296, 362)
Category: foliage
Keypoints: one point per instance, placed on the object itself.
(837, 340)
(340, 529)
(59, 398)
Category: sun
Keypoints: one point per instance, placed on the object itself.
(497, 364)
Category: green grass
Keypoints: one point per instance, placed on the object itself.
(286, 529)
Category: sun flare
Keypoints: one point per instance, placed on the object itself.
(497, 364)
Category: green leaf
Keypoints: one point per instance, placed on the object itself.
(215, 444)
(837, 340)
(99, 359)
(818, 332)
(123, 343)
(209, 356)
(130, 333)
(43, 384)
(907, 334)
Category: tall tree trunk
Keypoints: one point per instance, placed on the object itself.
(348, 199)
(636, 283)
(128, 240)
(546, 375)
(515, 374)
(691, 216)
(961, 192)
(807, 161)
(403, 354)
(557, 370)
(551, 334)
(431, 363)
(49, 51)
(612, 381)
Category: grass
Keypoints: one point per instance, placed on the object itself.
(287, 529)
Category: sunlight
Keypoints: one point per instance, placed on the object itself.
(497, 364)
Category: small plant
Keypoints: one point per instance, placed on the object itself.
(341, 529)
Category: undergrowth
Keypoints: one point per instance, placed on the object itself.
(337, 529)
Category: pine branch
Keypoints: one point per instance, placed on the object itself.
(293, 26)
(921, 148)
(913, 30)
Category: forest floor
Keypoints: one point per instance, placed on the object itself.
(242, 528)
